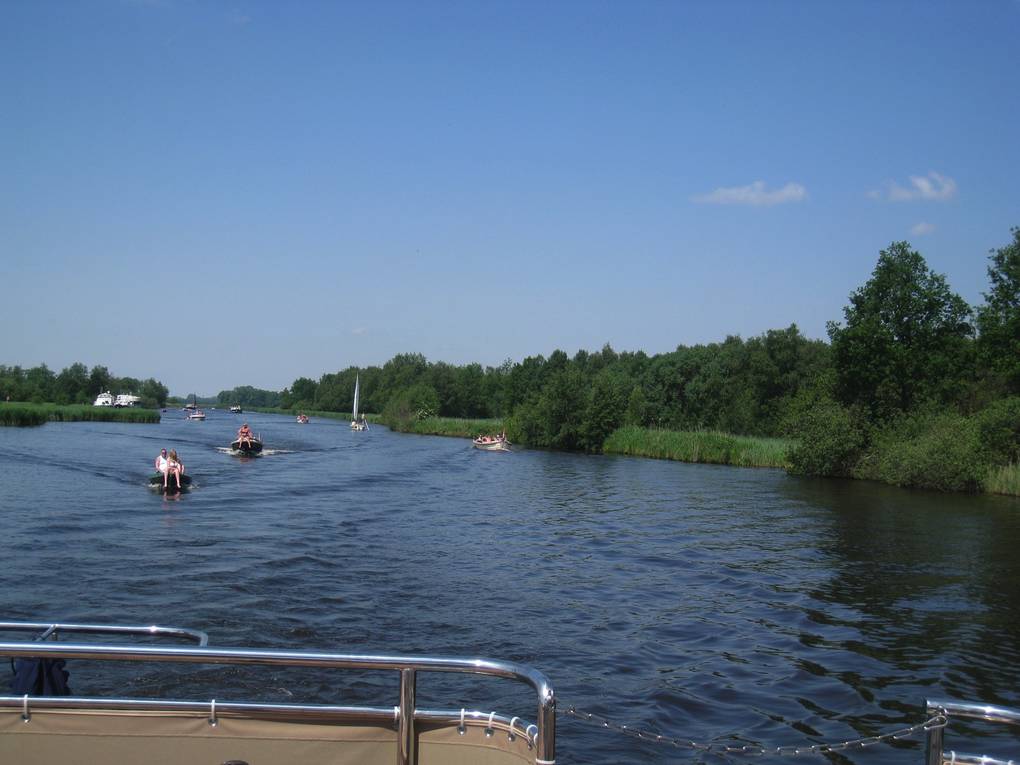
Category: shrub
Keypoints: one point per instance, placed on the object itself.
(999, 431)
(830, 439)
(928, 450)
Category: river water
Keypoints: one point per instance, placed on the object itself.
(708, 603)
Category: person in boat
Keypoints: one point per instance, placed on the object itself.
(162, 464)
(175, 468)
(244, 436)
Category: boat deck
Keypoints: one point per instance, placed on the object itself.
(48, 729)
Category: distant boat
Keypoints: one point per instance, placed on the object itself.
(356, 422)
(104, 399)
(235, 409)
(302, 419)
(196, 414)
(193, 404)
(497, 443)
(125, 399)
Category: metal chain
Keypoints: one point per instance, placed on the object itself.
(933, 722)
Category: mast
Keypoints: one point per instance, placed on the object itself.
(357, 383)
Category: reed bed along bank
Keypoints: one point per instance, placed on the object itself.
(1004, 480)
(449, 426)
(22, 414)
(699, 446)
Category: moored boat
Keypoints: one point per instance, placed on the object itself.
(104, 399)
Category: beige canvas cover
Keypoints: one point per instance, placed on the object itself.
(104, 737)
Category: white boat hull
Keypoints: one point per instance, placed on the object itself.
(498, 445)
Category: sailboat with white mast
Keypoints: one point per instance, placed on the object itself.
(357, 422)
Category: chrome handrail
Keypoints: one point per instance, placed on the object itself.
(408, 666)
(934, 745)
(52, 629)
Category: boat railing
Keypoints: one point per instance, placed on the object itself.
(935, 753)
(52, 630)
(541, 735)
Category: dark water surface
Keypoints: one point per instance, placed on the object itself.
(708, 603)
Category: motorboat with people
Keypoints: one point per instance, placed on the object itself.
(104, 399)
(246, 441)
(170, 476)
(302, 419)
(235, 409)
(496, 443)
(38, 727)
(196, 414)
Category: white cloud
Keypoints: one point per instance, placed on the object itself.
(932, 186)
(922, 228)
(753, 194)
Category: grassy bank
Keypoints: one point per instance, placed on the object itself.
(448, 426)
(699, 446)
(22, 414)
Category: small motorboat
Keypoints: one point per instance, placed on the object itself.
(235, 409)
(302, 419)
(197, 414)
(497, 443)
(253, 446)
(156, 482)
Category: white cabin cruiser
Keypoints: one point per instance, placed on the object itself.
(104, 399)
(126, 399)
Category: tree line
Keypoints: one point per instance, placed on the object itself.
(911, 367)
(914, 386)
(75, 384)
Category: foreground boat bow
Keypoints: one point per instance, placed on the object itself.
(37, 730)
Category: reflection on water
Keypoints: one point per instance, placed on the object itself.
(706, 602)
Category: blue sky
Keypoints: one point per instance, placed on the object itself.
(228, 193)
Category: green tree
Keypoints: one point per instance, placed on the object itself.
(998, 320)
(303, 392)
(606, 408)
(636, 407)
(71, 384)
(154, 393)
(39, 383)
(905, 340)
(100, 380)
